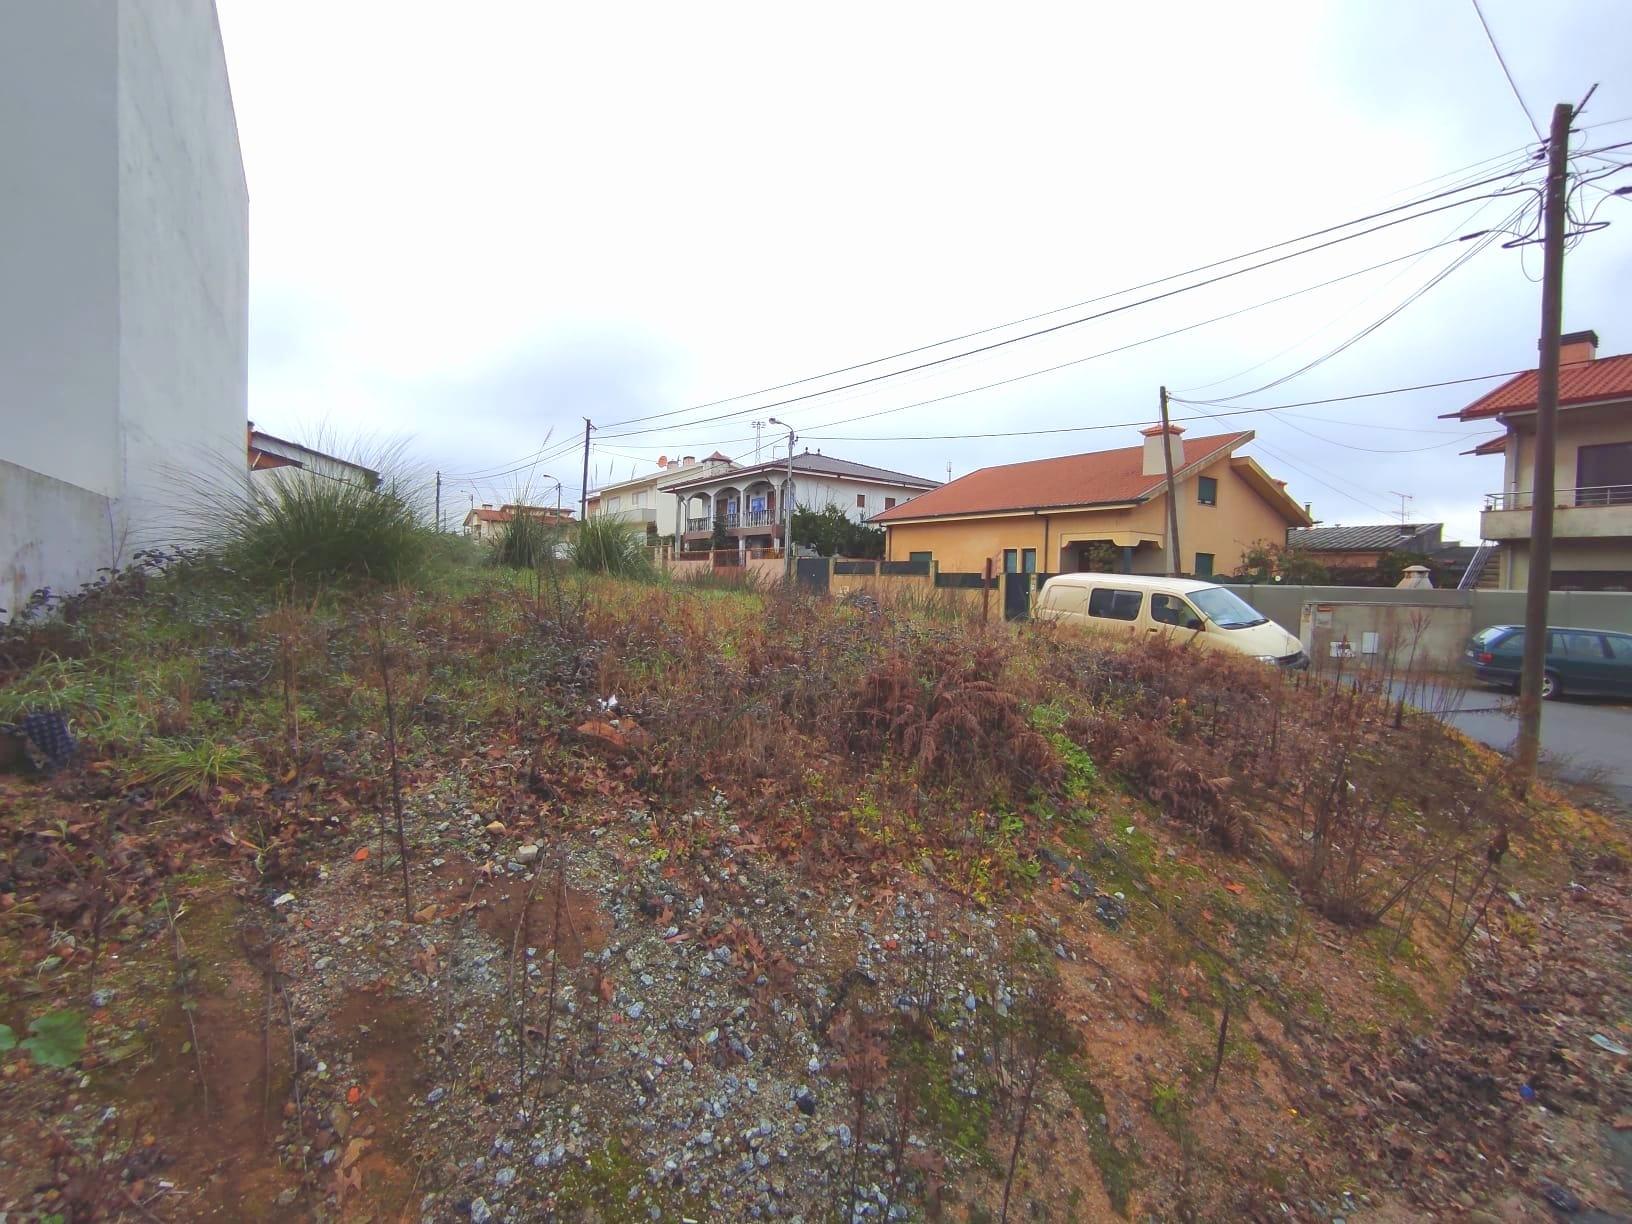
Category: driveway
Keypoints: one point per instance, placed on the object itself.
(1583, 739)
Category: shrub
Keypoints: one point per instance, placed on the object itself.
(528, 542)
(944, 708)
(170, 769)
(607, 546)
(295, 529)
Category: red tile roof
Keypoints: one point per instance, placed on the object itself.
(1097, 478)
(1582, 382)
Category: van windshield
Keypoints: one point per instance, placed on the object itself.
(1226, 609)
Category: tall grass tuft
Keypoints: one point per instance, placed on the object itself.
(528, 541)
(607, 546)
(296, 529)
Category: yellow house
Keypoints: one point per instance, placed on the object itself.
(1106, 510)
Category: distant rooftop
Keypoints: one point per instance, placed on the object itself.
(1366, 537)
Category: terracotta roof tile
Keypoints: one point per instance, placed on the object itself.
(1096, 478)
(1583, 382)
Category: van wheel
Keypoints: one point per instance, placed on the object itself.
(1550, 687)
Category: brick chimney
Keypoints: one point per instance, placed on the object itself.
(689, 460)
(1576, 347)
(1155, 465)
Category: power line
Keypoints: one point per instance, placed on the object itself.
(1125, 347)
(1230, 411)
(1070, 322)
(1512, 84)
(1483, 244)
(1518, 171)
(1319, 233)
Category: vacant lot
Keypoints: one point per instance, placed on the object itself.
(519, 894)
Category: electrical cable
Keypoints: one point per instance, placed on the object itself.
(1517, 171)
(1319, 233)
(1512, 84)
(1070, 323)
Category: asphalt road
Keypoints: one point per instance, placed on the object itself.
(1583, 739)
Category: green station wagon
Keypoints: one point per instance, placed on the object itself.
(1584, 661)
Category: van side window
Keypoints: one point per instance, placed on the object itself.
(1171, 610)
(1111, 604)
(1620, 647)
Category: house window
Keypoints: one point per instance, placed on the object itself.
(614, 503)
(924, 557)
(861, 501)
(889, 503)
(1603, 475)
(1107, 603)
(1028, 560)
(1204, 565)
(1207, 490)
(1011, 561)
(638, 497)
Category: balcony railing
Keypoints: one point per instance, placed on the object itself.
(1585, 498)
(698, 524)
(761, 518)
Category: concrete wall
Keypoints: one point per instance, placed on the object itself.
(1227, 530)
(183, 263)
(59, 262)
(1450, 617)
(123, 278)
(55, 535)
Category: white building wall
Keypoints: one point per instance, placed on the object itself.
(183, 263)
(817, 492)
(123, 280)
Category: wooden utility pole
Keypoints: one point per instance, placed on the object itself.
(1528, 748)
(583, 490)
(1175, 565)
(787, 506)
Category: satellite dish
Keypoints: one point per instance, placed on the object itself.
(662, 461)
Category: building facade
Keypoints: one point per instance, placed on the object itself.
(123, 283)
(750, 503)
(1592, 470)
(1106, 510)
(485, 523)
(646, 502)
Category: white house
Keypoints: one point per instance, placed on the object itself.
(749, 502)
(272, 457)
(646, 501)
(123, 282)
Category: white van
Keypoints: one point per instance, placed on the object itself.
(1210, 616)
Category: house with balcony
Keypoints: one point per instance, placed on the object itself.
(1104, 511)
(645, 502)
(749, 503)
(1592, 470)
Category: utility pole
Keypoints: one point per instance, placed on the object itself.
(1174, 564)
(787, 505)
(439, 502)
(583, 493)
(1528, 748)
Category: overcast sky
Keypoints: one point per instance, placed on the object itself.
(473, 225)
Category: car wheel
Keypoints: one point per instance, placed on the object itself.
(1550, 687)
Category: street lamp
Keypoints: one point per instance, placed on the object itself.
(787, 504)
